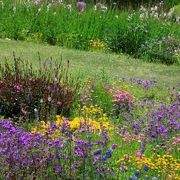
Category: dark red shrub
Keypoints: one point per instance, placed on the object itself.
(28, 93)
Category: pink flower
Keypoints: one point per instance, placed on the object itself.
(139, 154)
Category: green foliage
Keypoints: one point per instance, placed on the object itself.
(164, 49)
(177, 10)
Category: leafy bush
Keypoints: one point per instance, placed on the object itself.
(26, 93)
(165, 49)
(129, 37)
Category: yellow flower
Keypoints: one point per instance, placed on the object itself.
(34, 130)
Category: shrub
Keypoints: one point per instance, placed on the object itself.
(164, 49)
(129, 36)
(26, 93)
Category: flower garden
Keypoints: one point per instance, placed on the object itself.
(56, 125)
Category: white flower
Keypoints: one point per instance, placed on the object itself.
(169, 14)
(14, 9)
(48, 6)
(142, 9)
(146, 14)
(69, 6)
(178, 19)
(141, 16)
(156, 15)
(104, 8)
(155, 8)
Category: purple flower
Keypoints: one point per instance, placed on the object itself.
(81, 6)
(97, 152)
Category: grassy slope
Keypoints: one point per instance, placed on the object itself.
(90, 64)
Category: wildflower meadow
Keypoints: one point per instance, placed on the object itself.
(59, 119)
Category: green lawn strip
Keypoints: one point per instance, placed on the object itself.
(92, 64)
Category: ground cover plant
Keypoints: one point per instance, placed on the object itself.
(149, 32)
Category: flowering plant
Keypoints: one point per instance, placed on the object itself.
(26, 93)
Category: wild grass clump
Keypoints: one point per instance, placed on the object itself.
(27, 93)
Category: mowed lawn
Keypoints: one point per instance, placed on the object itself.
(92, 64)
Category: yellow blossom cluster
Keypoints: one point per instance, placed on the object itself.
(96, 43)
(90, 124)
(88, 121)
(94, 112)
(126, 160)
(41, 128)
(164, 164)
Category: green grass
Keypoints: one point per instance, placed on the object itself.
(92, 64)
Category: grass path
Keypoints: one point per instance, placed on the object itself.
(92, 64)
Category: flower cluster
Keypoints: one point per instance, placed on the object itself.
(31, 154)
(158, 12)
(146, 84)
(122, 99)
(163, 121)
(88, 122)
(164, 164)
(129, 137)
(100, 7)
(97, 44)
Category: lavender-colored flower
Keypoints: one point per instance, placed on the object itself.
(81, 6)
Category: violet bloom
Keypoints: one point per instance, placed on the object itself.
(139, 154)
(81, 6)
(97, 152)
(109, 152)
